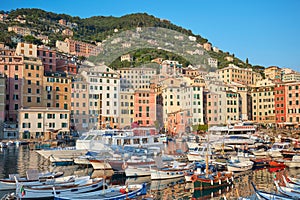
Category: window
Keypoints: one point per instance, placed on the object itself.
(25, 115)
(16, 77)
(38, 99)
(39, 115)
(28, 99)
(39, 125)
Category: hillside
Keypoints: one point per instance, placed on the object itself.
(93, 29)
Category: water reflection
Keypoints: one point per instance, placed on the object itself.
(18, 160)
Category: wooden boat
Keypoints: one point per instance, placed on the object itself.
(216, 180)
(276, 163)
(294, 163)
(267, 195)
(33, 177)
(46, 191)
(290, 192)
(114, 193)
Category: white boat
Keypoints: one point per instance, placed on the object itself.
(290, 192)
(295, 162)
(171, 172)
(46, 191)
(269, 196)
(104, 139)
(113, 193)
(134, 171)
(260, 153)
(33, 177)
(291, 184)
(277, 147)
(239, 164)
(57, 154)
(198, 154)
(100, 164)
(239, 134)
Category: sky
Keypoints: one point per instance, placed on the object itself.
(267, 32)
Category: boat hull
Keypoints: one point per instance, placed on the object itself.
(203, 183)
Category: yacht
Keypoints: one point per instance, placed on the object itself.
(107, 138)
(236, 135)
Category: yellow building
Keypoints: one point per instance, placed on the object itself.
(33, 72)
(233, 73)
(57, 90)
(43, 123)
(273, 72)
(263, 102)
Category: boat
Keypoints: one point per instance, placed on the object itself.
(260, 162)
(291, 184)
(277, 148)
(104, 139)
(267, 195)
(239, 164)
(32, 177)
(100, 164)
(113, 193)
(3, 145)
(294, 180)
(260, 153)
(56, 154)
(294, 163)
(238, 134)
(276, 163)
(132, 171)
(134, 161)
(175, 171)
(290, 192)
(46, 191)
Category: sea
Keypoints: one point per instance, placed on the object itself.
(17, 160)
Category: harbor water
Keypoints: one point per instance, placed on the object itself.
(19, 159)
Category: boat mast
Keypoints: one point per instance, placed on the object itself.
(206, 156)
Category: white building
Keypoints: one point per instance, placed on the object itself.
(136, 78)
(104, 90)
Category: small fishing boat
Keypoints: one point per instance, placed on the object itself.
(267, 195)
(33, 177)
(290, 192)
(114, 193)
(46, 191)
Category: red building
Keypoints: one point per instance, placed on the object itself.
(48, 57)
(280, 103)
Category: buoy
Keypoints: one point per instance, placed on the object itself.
(194, 178)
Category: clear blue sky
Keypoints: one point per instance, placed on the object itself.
(267, 32)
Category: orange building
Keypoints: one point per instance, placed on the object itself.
(145, 107)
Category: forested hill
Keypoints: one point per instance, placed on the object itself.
(93, 29)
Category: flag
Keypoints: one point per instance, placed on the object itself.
(22, 191)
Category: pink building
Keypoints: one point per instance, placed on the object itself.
(212, 109)
(145, 107)
(48, 57)
(12, 67)
(292, 91)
